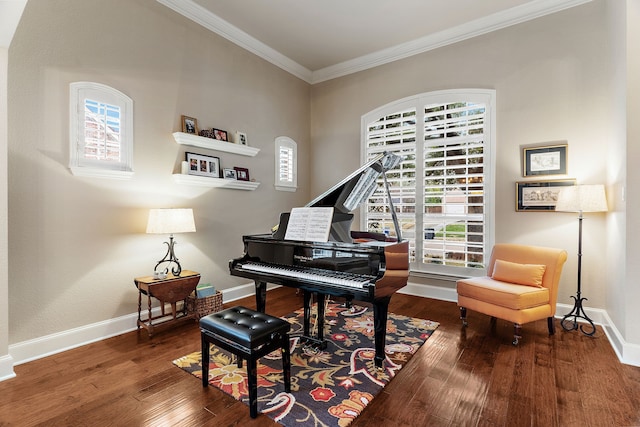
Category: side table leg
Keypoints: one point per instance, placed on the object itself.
(149, 320)
(139, 307)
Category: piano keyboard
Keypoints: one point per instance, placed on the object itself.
(339, 278)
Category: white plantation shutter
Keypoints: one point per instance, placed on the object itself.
(442, 189)
(101, 131)
(286, 165)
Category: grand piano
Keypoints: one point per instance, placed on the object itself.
(368, 267)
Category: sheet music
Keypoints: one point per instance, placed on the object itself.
(309, 224)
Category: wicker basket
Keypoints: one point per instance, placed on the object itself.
(201, 307)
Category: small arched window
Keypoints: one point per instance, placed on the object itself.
(286, 164)
(101, 131)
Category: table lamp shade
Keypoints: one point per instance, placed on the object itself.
(169, 221)
(582, 198)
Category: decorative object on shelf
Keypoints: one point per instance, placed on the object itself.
(241, 138)
(170, 221)
(545, 160)
(206, 133)
(242, 174)
(189, 125)
(220, 135)
(229, 173)
(539, 196)
(202, 165)
(581, 199)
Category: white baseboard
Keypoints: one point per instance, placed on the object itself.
(6, 368)
(37, 348)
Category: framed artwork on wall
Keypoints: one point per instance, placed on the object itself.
(189, 125)
(539, 196)
(242, 174)
(201, 165)
(220, 135)
(229, 173)
(545, 160)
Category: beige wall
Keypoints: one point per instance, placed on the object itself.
(75, 244)
(552, 84)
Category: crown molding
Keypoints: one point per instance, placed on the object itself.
(210, 21)
(497, 21)
(450, 36)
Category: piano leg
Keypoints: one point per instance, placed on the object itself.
(380, 310)
(261, 296)
(320, 318)
(318, 341)
(307, 312)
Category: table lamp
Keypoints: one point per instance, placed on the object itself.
(170, 221)
(580, 198)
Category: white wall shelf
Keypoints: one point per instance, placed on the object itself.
(203, 181)
(213, 144)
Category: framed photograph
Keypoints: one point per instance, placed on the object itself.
(241, 138)
(544, 160)
(242, 174)
(540, 196)
(201, 165)
(189, 125)
(220, 134)
(229, 173)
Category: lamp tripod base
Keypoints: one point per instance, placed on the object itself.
(570, 321)
(170, 258)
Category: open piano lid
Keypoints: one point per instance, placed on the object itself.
(348, 194)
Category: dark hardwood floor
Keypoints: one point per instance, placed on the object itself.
(460, 377)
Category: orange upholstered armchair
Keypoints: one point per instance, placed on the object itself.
(521, 286)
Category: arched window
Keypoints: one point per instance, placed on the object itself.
(101, 131)
(443, 191)
(286, 164)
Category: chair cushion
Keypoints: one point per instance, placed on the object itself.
(522, 274)
(244, 326)
(509, 295)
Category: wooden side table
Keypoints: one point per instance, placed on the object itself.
(167, 291)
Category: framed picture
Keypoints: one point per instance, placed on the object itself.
(220, 134)
(241, 138)
(229, 173)
(540, 196)
(189, 125)
(242, 174)
(544, 160)
(202, 165)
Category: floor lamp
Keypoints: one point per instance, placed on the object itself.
(581, 199)
(169, 221)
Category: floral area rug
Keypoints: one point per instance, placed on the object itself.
(330, 387)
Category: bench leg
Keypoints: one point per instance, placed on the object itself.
(286, 363)
(205, 360)
(252, 377)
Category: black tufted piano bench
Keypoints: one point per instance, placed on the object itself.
(249, 335)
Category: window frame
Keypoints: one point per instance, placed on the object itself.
(79, 92)
(289, 144)
(419, 102)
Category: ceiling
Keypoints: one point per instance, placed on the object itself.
(320, 40)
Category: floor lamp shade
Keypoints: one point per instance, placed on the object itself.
(581, 199)
(169, 221)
